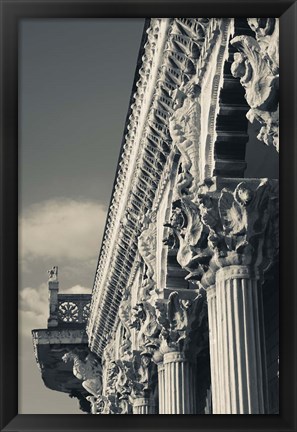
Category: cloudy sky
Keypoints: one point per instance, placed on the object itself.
(75, 83)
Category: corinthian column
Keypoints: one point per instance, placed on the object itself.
(242, 227)
(181, 321)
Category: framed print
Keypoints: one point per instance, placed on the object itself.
(148, 216)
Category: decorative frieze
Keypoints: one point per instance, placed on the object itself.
(183, 48)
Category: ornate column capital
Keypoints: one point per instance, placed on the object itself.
(188, 235)
(143, 375)
(183, 323)
(257, 66)
(144, 320)
(242, 220)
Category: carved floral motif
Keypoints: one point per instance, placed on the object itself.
(225, 227)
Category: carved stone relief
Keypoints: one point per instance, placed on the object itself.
(188, 235)
(144, 321)
(183, 323)
(184, 131)
(242, 224)
(147, 250)
(88, 370)
(257, 66)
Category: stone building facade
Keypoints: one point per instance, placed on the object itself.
(183, 317)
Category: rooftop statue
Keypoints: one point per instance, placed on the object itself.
(53, 273)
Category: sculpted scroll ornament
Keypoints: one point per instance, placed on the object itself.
(257, 66)
(182, 322)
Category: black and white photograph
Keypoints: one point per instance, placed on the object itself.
(148, 216)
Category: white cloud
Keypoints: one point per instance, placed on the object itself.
(34, 300)
(61, 229)
(33, 309)
(77, 289)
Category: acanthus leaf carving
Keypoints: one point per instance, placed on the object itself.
(144, 321)
(183, 323)
(189, 236)
(240, 222)
(144, 375)
(257, 66)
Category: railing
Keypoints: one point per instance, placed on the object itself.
(66, 310)
(73, 308)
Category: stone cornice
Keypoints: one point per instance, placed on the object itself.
(170, 58)
(57, 336)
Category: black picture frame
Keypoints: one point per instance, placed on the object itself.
(11, 12)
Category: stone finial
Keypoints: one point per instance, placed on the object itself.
(53, 273)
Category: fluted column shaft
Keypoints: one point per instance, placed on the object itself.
(180, 394)
(213, 342)
(144, 406)
(237, 343)
(161, 388)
